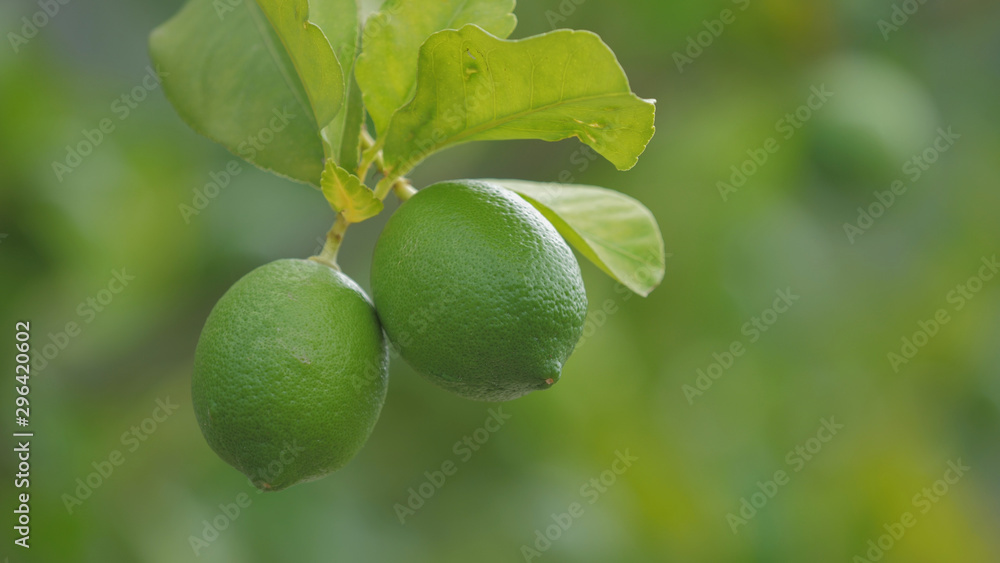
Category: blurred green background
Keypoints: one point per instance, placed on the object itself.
(624, 389)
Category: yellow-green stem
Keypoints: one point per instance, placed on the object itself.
(403, 190)
(370, 154)
(333, 239)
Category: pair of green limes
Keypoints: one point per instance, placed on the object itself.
(473, 286)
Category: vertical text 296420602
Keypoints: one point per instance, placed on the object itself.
(22, 414)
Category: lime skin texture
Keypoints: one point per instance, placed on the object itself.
(290, 373)
(478, 291)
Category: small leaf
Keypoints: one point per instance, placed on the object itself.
(260, 81)
(472, 86)
(614, 231)
(348, 195)
(387, 67)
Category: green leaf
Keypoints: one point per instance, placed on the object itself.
(343, 135)
(348, 195)
(387, 67)
(614, 231)
(310, 51)
(257, 78)
(472, 86)
(340, 21)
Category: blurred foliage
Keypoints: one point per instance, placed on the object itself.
(784, 228)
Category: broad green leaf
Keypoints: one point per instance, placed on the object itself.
(472, 86)
(262, 82)
(614, 231)
(340, 21)
(348, 195)
(309, 50)
(387, 67)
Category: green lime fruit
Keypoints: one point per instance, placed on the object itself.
(290, 373)
(477, 291)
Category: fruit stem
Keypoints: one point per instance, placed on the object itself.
(403, 189)
(333, 239)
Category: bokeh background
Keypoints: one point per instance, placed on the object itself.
(623, 390)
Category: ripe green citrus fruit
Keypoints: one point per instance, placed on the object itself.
(290, 373)
(478, 291)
